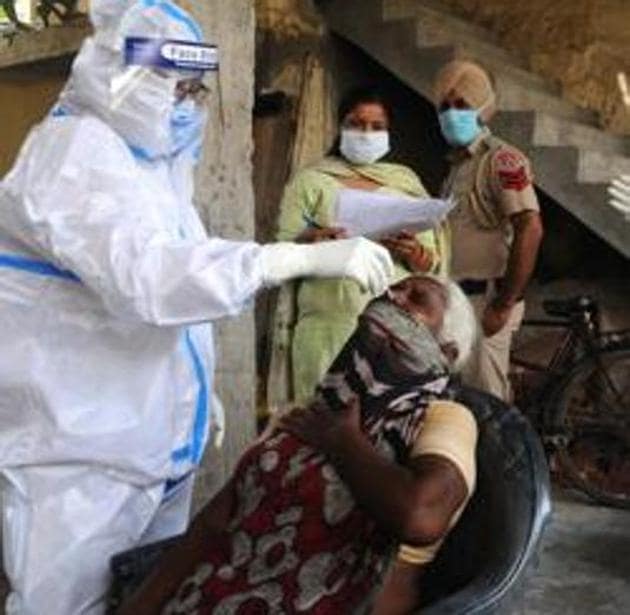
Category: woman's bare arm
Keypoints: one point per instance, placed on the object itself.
(401, 591)
(414, 504)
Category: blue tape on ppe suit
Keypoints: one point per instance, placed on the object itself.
(21, 263)
(172, 484)
(194, 450)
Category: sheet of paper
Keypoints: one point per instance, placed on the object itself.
(377, 214)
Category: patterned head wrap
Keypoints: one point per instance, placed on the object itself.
(393, 385)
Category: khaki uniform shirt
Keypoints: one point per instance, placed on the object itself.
(491, 182)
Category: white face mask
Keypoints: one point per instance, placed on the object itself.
(361, 147)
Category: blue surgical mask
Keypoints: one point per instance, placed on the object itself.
(187, 125)
(460, 127)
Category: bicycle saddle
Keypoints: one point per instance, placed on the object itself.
(564, 308)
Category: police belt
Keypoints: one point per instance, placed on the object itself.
(481, 287)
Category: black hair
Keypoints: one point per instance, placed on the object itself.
(361, 95)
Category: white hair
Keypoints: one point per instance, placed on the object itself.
(460, 323)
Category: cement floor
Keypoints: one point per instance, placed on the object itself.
(584, 566)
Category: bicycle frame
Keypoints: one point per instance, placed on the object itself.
(579, 339)
(582, 332)
(575, 397)
(560, 355)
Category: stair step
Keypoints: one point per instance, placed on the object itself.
(493, 59)
(397, 51)
(523, 127)
(516, 127)
(439, 24)
(597, 167)
(404, 9)
(550, 130)
(516, 96)
(589, 204)
(519, 88)
(438, 27)
(594, 211)
(386, 40)
(556, 171)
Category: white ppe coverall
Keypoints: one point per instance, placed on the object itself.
(108, 283)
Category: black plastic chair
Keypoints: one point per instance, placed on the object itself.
(484, 563)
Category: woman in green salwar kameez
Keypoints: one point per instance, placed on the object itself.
(314, 318)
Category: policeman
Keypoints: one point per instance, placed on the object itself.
(496, 228)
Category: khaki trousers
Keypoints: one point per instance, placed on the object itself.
(490, 360)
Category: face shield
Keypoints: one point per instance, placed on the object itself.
(145, 72)
(158, 97)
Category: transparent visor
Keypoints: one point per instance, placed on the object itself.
(182, 67)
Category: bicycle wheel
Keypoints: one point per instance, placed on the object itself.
(590, 420)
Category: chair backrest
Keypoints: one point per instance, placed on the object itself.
(482, 565)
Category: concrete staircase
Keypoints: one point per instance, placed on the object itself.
(573, 159)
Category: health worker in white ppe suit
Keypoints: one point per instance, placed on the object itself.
(108, 283)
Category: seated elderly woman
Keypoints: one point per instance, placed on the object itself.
(317, 507)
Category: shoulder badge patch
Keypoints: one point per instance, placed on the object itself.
(511, 170)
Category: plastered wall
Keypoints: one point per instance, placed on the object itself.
(26, 94)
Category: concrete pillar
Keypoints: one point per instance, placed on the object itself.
(225, 199)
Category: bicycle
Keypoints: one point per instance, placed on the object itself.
(580, 401)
